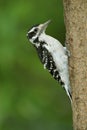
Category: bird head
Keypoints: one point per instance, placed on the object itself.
(37, 30)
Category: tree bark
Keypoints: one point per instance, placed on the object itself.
(75, 13)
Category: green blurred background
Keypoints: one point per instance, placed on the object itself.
(30, 99)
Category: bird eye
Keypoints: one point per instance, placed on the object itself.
(31, 34)
(35, 30)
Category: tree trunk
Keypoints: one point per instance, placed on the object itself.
(75, 13)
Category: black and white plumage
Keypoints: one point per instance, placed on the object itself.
(52, 54)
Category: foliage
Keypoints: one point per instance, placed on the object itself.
(29, 97)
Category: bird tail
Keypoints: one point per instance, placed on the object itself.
(68, 91)
(69, 94)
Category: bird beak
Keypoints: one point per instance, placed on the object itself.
(44, 26)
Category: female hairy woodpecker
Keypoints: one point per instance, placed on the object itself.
(52, 54)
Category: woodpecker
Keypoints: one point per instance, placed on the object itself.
(52, 54)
